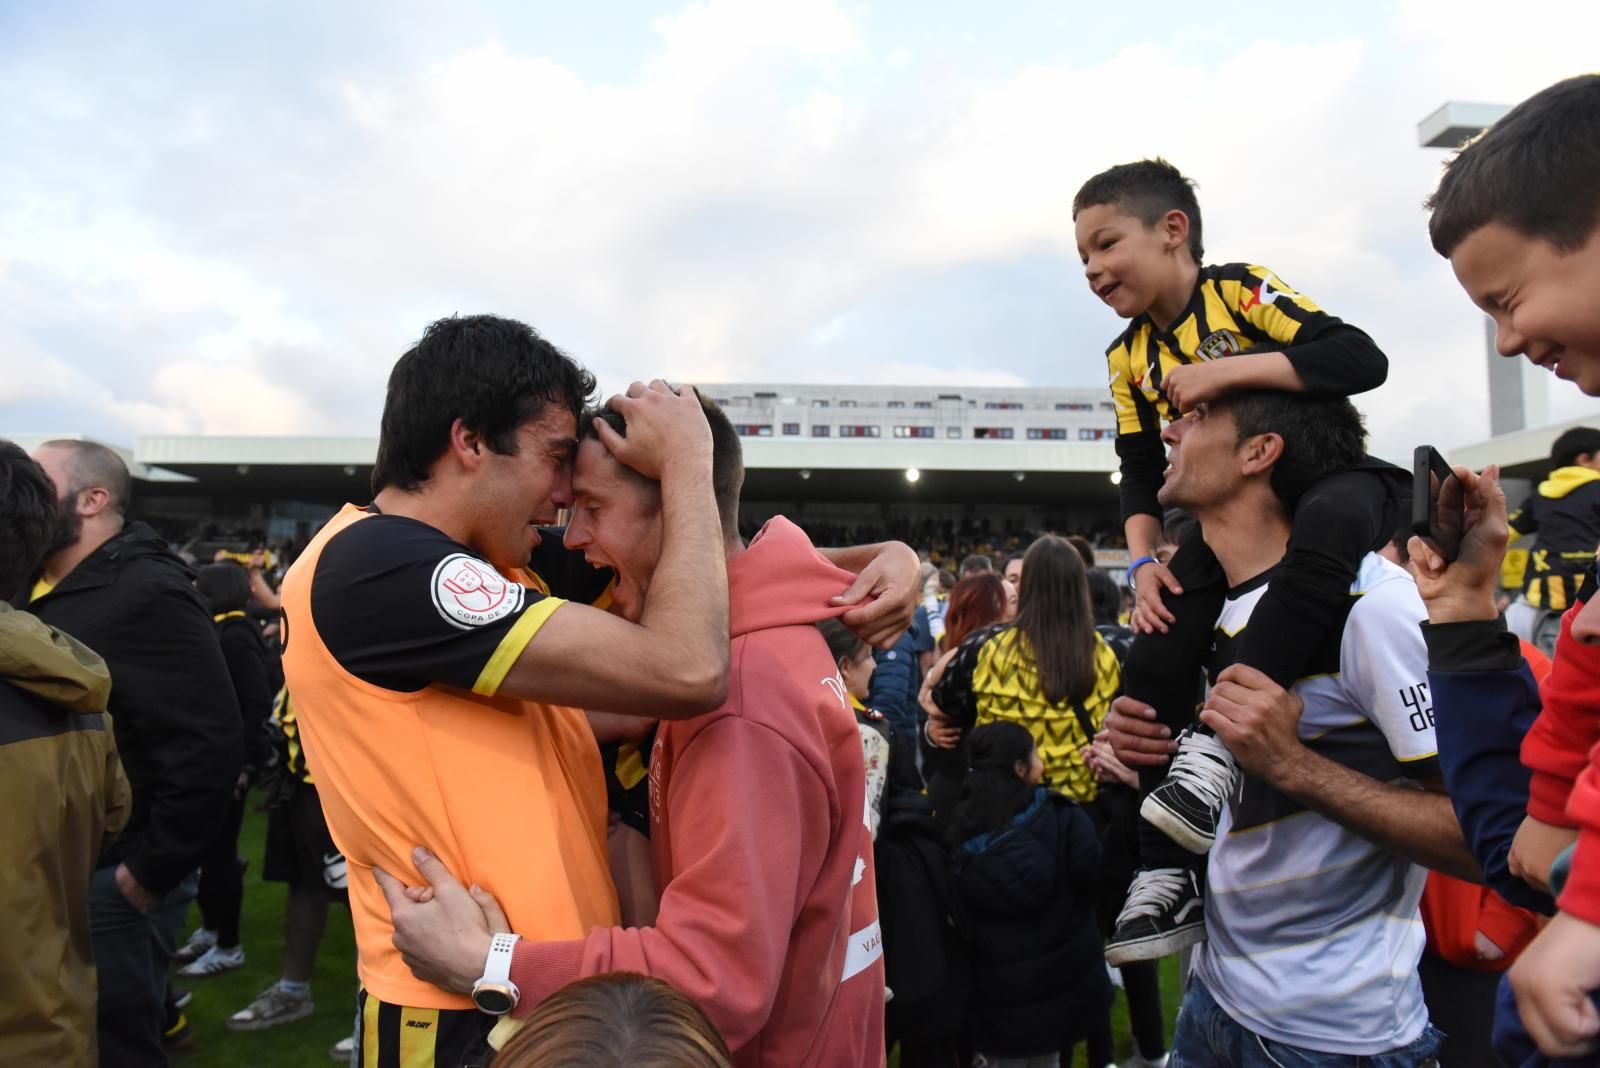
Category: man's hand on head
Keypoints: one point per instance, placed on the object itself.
(885, 595)
(1258, 720)
(442, 930)
(1135, 736)
(666, 427)
(1464, 589)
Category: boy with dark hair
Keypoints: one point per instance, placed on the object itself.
(1139, 235)
(1517, 213)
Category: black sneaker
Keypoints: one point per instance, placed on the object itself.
(1165, 912)
(1188, 803)
(176, 1034)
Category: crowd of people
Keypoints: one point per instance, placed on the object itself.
(650, 789)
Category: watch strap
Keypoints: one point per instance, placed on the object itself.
(497, 965)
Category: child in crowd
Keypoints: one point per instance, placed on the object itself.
(1517, 213)
(887, 754)
(619, 1020)
(1026, 862)
(1139, 235)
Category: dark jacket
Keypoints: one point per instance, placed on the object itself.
(1039, 970)
(172, 704)
(1564, 514)
(62, 797)
(898, 677)
(249, 662)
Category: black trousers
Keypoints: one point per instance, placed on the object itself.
(221, 895)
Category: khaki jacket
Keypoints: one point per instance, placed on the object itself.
(63, 796)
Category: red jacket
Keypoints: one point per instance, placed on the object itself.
(769, 917)
(1556, 747)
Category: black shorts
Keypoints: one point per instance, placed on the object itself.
(393, 1035)
(300, 851)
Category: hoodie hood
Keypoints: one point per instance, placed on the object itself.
(781, 580)
(47, 663)
(1563, 480)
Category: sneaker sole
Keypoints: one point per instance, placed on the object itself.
(1156, 946)
(1174, 826)
(187, 973)
(262, 1025)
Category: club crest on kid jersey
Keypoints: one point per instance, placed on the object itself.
(1218, 344)
(469, 593)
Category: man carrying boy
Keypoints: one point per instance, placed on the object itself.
(1139, 235)
(1518, 215)
(1313, 933)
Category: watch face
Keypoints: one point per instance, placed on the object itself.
(494, 1000)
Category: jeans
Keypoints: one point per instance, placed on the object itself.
(131, 953)
(1207, 1037)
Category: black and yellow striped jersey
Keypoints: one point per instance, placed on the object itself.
(994, 677)
(1563, 514)
(1236, 308)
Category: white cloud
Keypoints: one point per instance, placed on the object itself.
(749, 204)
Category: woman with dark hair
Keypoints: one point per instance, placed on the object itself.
(1048, 670)
(618, 1020)
(1026, 861)
(214, 948)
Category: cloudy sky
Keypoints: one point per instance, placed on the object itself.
(232, 218)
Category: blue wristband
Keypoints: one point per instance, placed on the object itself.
(1136, 565)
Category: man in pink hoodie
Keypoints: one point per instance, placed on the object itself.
(761, 849)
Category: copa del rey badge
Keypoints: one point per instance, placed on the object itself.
(469, 593)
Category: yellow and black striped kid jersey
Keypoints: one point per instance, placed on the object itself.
(1236, 308)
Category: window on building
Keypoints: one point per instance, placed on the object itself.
(753, 430)
(847, 404)
(1074, 406)
(860, 431)
(1047, 433)
(952, 432)
(791, 429)
(922, 404)
(913, 431)
(1095, 434)
(819, 403)
(895, 404)
(994, 432)
(821, 431)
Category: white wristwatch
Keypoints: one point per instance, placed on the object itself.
(494, 992)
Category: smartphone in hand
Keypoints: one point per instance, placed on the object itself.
(1438, 502)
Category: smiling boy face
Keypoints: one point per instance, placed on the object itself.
(1542, 300)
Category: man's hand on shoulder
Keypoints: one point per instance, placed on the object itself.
(666, 427)
(1258, 720)
(884, 595)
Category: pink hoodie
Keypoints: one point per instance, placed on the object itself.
(769, 916)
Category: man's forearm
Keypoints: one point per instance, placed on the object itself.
(853, 558)
(1416, 825)
(688, 602)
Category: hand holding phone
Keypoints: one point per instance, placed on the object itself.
(1460, 519)
(1438, 502)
